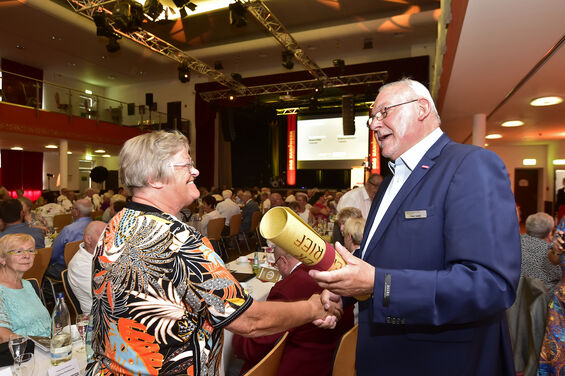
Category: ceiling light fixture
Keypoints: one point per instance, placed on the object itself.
(69, 152)
(237, 14)
(113, 45)
(559, 162)
(529, 162)
(152, 9)
(101, 151)
(513, 123)
(106, 156)
(546, 101)
(16, 148)
(51, 146)
(493, 136)
(127, 16)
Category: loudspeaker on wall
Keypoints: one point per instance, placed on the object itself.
(348, 115)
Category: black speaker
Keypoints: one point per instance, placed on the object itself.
(148, 99)
(227, 121)
(131, 108)
(348, 115)
(173, 114)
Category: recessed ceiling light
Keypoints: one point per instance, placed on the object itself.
(106, 156)
(89, 92)
(559, 162)
(546, 101)
(529, 162)
(16, 148)
(513, 123)
(51, 147)
(69, 152)
(486, 145)
(101, 151)
(493, 136)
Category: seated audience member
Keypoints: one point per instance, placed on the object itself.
(290, 197)
(106, 197)
(362, 197)
(239, 197)
(250, 207)
(21, 311)
(32, 218)
(48, 211)
(343, 215)
(66, 199)
(309, 350)
(4, 194)
(265, 202)
(304, 211)
(227, 208)
(319, 209)
(12, 214)
(207, 212)
(107, 215)
(91, 194)
(353, 233)
(276, 200)
(80, 266)
(75, 231)
(535, 245)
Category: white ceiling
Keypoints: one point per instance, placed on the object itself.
(500, 42)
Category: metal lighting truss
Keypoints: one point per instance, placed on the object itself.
(284, 87)
(87, 7)
(264, 16)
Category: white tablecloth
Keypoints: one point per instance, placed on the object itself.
(258, 289)
(42, 360)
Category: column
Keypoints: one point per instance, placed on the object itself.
(63, 162)
(479, 129)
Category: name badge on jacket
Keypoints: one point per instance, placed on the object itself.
(411, 214)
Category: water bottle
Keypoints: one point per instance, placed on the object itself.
(88, 343)
(256, 266)
(61, 341)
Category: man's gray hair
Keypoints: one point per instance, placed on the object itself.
(539, 225)
(418, 89)
(84, 207)
(147, 156)
(226, 193)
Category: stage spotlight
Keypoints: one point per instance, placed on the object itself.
(287, 57)
(237, 77)
(113, 45)
(339, 64)
(191, 6)
(153, 9)
(181, 4)
(128, 16)
(237, 14)
(103, 29)
(218, 65)
(184, 73)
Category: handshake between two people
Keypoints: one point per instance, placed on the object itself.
(355, 279)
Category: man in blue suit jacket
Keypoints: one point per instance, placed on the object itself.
(440, 254)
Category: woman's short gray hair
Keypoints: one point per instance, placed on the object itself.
(539, 225)
(147, 156)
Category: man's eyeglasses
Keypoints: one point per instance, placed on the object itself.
(382, 114)
(21, 252)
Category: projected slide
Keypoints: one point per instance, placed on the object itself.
(323, 140)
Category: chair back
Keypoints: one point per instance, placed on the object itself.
(269, 365)
(72, 300)
(70, 249)
(344, 357)
(235, 224)
(215, 227)
(40, 264)
(61, 220)
(255, 220)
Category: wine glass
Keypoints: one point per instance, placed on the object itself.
(82, 326)
(17, 344)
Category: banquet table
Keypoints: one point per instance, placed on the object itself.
(42, 360)
(258, 289)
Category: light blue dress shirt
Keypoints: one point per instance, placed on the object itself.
(69, 233)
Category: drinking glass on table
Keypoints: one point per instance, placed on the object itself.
(82, 326)
(27, 364)
(17, 344)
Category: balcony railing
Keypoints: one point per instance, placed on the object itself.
(43, 95)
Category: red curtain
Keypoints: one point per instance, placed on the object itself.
(21, 170)
(291, 149)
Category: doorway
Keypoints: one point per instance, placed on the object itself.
(526, 190)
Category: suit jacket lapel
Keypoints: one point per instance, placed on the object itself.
(422, 168)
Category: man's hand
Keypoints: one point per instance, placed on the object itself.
(328, 313)
(330, 301)
(355, 279)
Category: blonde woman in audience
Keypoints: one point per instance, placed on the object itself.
(353, 233)
(21, 311)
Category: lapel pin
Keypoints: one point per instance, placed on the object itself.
(425, 166)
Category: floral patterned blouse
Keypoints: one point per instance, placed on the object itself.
(161, 297)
